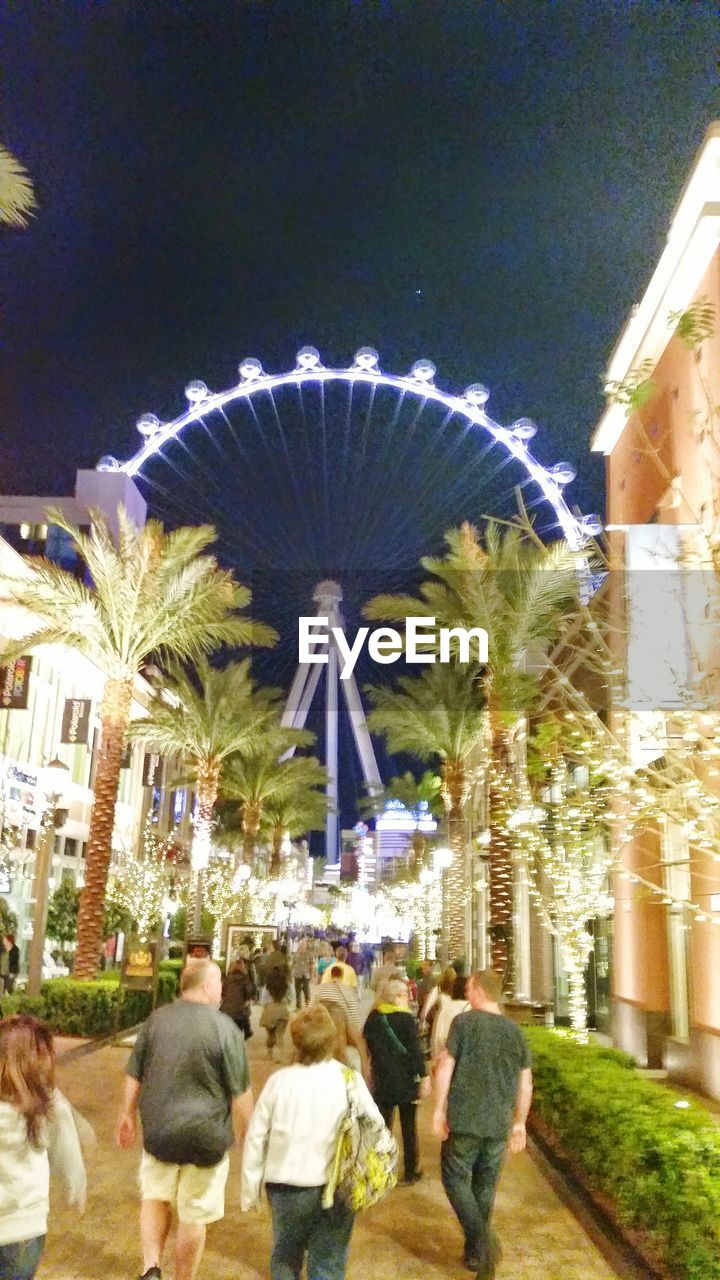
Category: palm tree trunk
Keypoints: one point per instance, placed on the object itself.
(501, 869)
(418, 843)
(114, 717)
(276, 858)
(207, 789)
(455, 795)
(454, 887)
(251, 826)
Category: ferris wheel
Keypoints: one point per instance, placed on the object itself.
(326, 474)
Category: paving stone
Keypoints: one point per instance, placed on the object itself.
(411, 1235)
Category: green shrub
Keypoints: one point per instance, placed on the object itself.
(98, 1008)
(19, 1002)
(660, 1165)
(80, 1008)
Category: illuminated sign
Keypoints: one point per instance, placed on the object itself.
(15, 684)
(139, 966)
(76, 721)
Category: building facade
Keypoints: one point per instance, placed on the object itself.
(660, 435)
(49, 705)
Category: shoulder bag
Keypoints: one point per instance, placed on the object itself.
(364, 1166)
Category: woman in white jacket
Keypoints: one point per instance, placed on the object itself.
(290, 1146)
(37, 1135)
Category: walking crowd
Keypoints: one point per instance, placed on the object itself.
(317, 1140)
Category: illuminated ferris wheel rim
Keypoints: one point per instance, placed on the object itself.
(365, 370)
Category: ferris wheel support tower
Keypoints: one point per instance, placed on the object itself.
(328, 597)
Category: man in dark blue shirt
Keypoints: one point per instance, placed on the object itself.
(483, 1090)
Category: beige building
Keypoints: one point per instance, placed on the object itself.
(660, 435)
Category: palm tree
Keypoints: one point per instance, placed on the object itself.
(421, 797)
(17, 197)
(439, 715)
(212, 714)
(153, 594)
(300, 804)
(521, 591)
(258, 776)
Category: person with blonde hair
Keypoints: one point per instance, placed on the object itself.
(433, 1004)
(290, 1147)
(398, 1066)
(325, 958)
(350, 1048)
(336, 992)
(38, 1137)
(449, 1009)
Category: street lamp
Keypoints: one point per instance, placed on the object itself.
(53, 779)
(242, 875)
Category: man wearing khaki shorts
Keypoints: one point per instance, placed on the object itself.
(188, 1073)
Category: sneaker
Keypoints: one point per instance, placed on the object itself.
(471, 1262)
(411, 1179)
(153, 1274)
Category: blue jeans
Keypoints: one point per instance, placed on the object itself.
(301, 1226)
(19, 1261)
(470, 1169)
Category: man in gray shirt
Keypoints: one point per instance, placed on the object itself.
(483, 1090)
(188, 1072)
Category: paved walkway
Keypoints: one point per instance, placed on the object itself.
(411, 1235)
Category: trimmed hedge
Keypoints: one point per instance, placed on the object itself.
(659, 1165)
(91, 1008)
(18, 1002)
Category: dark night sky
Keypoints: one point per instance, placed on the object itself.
(220, 179)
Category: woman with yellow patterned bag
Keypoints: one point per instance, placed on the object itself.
(303, 1123)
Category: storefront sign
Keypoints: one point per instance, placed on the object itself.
(151, 769)
(76, 720)
(139, 966)
(15, 684)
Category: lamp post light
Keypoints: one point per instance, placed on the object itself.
(242, 875)
(443, 861)
(52, 782)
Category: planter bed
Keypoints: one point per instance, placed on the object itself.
(652, 1168)
(92, 1010)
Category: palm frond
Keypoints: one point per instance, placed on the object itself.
(17, 196)
(153, 593)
